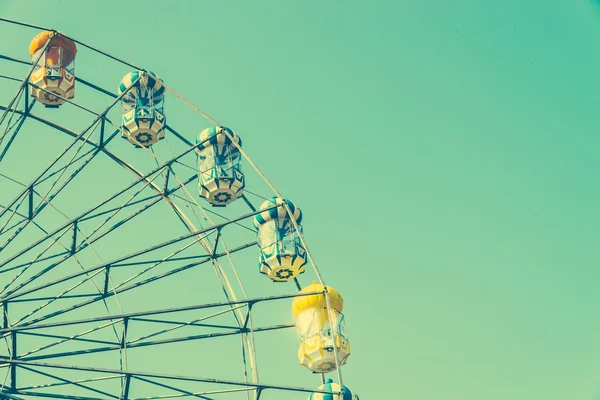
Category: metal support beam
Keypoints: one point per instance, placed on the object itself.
(14, 294)
(186, 392)
(182, 378)
(154, 312)
(58, 378)
(142, 178)
(23, 117)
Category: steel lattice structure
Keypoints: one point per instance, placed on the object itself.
(115, 278)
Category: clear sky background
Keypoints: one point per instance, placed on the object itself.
(446, 156)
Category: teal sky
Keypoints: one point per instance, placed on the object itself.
(445, 155)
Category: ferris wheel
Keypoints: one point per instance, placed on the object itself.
(164, 265)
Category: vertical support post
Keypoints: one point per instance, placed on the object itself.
(102, 132)
(74, 242)
(106, 279)
(124, 343)
(217, 244)
(167, 176)
(13, 347)
(30, 216)
(126, 387)
(125, 395)
(5, 314)
(13, 366)
(124, 337)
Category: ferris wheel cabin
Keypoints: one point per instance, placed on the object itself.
(142, 108)
(221, 180)
(282, 255)
(53, 80)
(333, 387)
(319, 344)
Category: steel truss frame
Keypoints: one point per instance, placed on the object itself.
(22, 211)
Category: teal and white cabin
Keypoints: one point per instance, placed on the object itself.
(220, 176)
(282, 255)
(142, 107)
(334, 387)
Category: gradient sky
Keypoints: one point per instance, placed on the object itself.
(445, 155)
